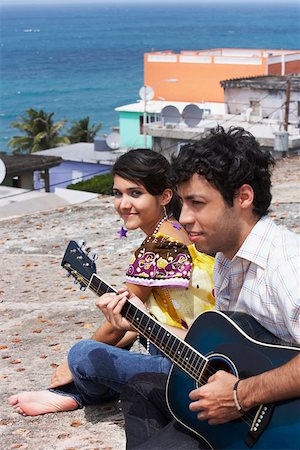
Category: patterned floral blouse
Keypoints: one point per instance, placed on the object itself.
(181, 278)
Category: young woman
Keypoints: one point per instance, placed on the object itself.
(166, 272)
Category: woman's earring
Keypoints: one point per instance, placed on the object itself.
(165, 212)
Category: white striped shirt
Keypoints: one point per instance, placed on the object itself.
(263, 279)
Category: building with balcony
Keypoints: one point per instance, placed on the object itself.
(257, 104)
(194, 77)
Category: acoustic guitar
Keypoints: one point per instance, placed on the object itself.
(213, 342)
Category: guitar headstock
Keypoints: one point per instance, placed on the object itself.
(78, 264)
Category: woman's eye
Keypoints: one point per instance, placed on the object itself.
(197, 203)
(117, 194)
(136, 194)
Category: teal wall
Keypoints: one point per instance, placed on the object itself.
(130, 130)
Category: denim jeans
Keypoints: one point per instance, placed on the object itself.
(148, 422)
(100, 370)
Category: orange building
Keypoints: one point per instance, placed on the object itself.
(194, 76)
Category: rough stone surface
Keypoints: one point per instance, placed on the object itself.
(42, 312)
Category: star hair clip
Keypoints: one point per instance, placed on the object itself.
(122, 232)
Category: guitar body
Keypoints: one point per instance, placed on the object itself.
(217, 337)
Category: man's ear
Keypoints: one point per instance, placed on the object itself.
(166, 197)
(245, 196)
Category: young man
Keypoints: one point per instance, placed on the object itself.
(224, 182)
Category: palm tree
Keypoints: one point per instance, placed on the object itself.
(40, 131)
(82, 132)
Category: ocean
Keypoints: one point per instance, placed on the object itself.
(85, 60)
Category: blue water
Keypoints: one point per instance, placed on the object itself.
(88, 59)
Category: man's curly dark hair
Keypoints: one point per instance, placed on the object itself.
(228, 160)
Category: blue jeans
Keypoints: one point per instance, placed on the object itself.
(100, 370)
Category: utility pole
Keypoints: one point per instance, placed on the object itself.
(145, 117)
(287, 104)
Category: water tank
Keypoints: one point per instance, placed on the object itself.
(281, 141)
(100, 145)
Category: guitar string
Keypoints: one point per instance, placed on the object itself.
(187, 367)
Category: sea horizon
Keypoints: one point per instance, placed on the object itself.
(86, 60)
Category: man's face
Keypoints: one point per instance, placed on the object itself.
(212, 225)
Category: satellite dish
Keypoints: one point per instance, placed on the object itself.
(192, 115)
(113, 140)
(2, 171)
(146, 93)
(170, 114)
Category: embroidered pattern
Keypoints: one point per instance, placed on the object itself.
(160, 258)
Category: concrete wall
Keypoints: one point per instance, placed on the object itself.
(269, 104)
(25, 181)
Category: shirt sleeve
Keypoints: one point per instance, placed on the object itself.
(161, 262)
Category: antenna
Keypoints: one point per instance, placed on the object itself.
(146, 93)
(113, 140)
(192, 115)
(2, 171)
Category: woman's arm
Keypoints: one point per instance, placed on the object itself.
(112, 305)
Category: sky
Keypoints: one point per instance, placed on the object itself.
(54, 2)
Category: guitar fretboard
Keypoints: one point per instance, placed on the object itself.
(176, 349)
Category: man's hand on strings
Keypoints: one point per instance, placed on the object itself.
(214, 400)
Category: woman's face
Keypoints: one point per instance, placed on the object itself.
(136, 206)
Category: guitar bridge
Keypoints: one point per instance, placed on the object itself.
(259, 424)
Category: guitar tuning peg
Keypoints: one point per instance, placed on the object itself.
(68, 274)
(75, 281)
(81, 243)
(93, 254)
(87, 250)
(82, 288)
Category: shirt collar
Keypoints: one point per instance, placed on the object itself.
(256, 246)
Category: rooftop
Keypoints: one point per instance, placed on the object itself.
(230, 52)
(83, 152)
(16, 164)
(269, 82)
(262, 129)
(156, 106)
(43, 313)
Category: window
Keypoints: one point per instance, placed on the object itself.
(255, 106)
(149, 119)
(17, 182)
(76, 176)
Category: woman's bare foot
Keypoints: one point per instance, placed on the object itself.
(35, 403)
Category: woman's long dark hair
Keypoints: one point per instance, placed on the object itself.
(152, 170)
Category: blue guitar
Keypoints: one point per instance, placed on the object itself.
(213, 342)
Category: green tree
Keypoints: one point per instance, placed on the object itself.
(40, 132)
(82, 131)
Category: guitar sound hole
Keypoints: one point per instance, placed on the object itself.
(218, 362)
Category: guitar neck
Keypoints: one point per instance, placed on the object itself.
(182, 354)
